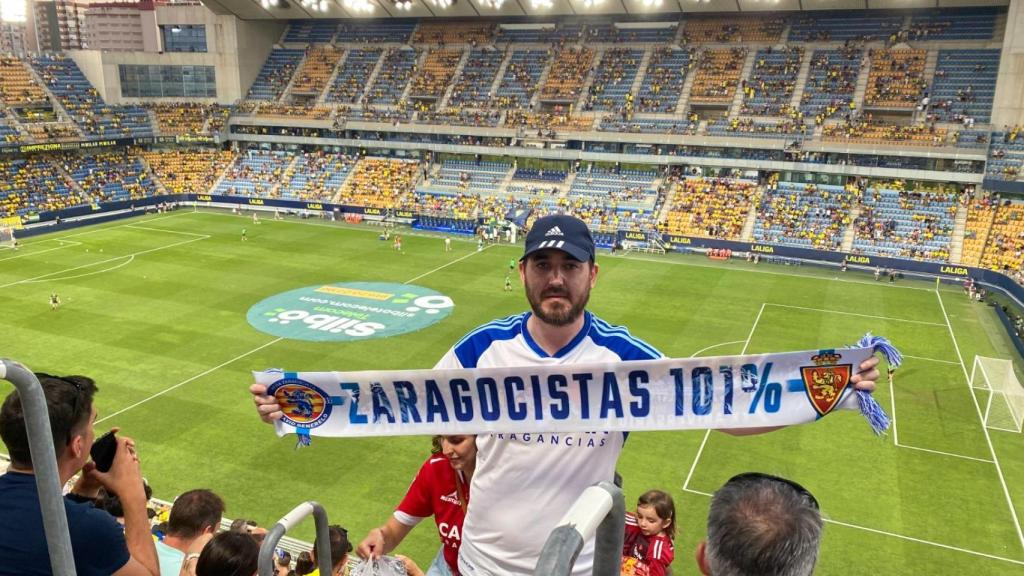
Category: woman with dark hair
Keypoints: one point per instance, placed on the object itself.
(441, 490)
(229, 554)
(340, 547)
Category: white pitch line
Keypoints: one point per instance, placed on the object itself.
(133, 254)
(244, 354)
(707, 433)
(66, 244)
(843, 312)
(931, 359)
(981, 420)
(694, 355)
(443, 266)
(130, 259)
(900, 536)
(940, 452)
(186, 381)
(137, 227)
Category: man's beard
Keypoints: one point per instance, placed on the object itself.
(561, 316)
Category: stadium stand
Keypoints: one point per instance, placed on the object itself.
(519, 83)
(310, 32)
(19, 88)
(185, 117)
(717, 76)
(734, 29)
(841, 25)
(441, 33)
(392, 77)
(1004, 249)
(980, 216)
(663, 81)
(64, 79)
(963, 24)
(188, 171)
(748, 127)
(710, 208)
(631, 35)
(375, 31)
(831, 82)
(568, 71)
(109, 176)
(350, 82)
(431, 80)
(380, 183)
(557, 120)
(316, 176)
(649, 125)
(31, 185)
(254, 173)
(275, 74)
(896, 78)
(1006, 154)
(964, 86)
(899, 223)
(866, 130)
(473, 86)
(556, 33)
(613, 82)
(316, 70)
(772, 81)
(474, 176)
(627, 189)
(808, 215)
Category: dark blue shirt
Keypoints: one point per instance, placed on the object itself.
(97, 540)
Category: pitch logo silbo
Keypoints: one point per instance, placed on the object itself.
(350, 311)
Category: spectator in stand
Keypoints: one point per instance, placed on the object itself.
(195, 514)
(447, 472)
(761, 525)
(99, 544)
(340, 547)
(228, 554)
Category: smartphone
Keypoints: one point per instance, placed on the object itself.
(103, 450)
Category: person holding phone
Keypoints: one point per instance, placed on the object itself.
(98, 543)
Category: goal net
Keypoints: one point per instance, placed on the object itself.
(6, 237)
(1004, 408)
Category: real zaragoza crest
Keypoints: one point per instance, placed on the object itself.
(826, 380)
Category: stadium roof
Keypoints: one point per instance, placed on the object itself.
(293, 9)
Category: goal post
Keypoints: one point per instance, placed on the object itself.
(6, 237)
(1004, 407)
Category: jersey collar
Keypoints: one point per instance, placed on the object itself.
(565, 349)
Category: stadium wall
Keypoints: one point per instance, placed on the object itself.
(235, 48)
(1008, 107)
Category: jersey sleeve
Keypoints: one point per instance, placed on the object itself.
(450, 361)
(416, 505)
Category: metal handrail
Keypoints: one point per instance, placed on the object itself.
(600, 509)
(265, 567)
(44, 464)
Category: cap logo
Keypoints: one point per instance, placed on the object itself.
(556, 231)
(551, 244)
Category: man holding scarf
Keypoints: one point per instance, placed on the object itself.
(525, 482)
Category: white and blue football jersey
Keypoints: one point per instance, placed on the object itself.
(524, 483)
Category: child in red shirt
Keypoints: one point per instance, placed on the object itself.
(648, 550)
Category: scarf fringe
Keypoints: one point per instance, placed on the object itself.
(869, 407)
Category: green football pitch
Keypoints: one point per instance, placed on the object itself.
(154, 308)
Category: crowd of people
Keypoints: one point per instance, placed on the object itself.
(711, 208)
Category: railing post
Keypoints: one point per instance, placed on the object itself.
(600, 509)
(44, 464)
(290, 520)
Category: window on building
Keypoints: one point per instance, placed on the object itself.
(183, 37)
(140, 81)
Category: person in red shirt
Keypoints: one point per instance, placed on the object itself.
(647, 549)
(441, 490)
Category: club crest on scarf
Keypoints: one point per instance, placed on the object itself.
(826, 380)
(303, 404)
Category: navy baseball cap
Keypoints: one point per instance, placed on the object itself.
(566, 233)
